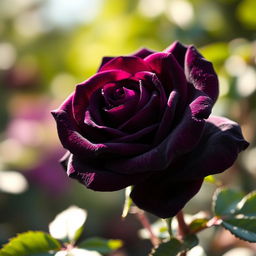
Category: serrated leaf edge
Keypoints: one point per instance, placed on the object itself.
(13, 240)
(240, 238)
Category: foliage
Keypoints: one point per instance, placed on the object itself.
(37, 243)
(238, 214)
(30, 243)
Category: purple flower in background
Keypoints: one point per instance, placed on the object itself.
(143, 120)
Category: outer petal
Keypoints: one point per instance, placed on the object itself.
(179, 51)
(68, 133)
(220, 145)
(72, 139)
(161, 196)
(130, 64)
(201, 74)
(104, 61)
(97, 178)
(143, 53)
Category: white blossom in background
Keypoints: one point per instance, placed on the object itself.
(196, 251)
(77, 252)
(66, 223)
(235, 65)
(66, 13)
(12, 182)
(240, 252)
(246, 83)
(180, 12)
(8, 55)
(152, 8)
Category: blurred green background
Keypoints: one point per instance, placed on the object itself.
(47, 46)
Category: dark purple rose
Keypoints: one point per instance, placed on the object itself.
(143, 120)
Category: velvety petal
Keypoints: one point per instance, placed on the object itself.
(167, 119)
(69, 136)
(137, 135)
(104, 61)
(130, 64)
(96, 103)
(125, 149)
(151, 83)
(99, 133)
(85, 90)
(184, 138)
(179, 51)
(200, 73)
(72, 139)
(97, 178)
(118, 114)
(170, 73)
(161, 196)
(144, 96)
(66, 106)
(143, 53)
(202, 105)
(218, 149)
(146, 116)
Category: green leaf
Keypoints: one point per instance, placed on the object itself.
(247, 207)
(242, 228)
(225, 201)
(170, 248)
(77, 252)
(101, 245)
(30, 243)
(190, 241)
(198, 224)
(174, 246)
(127, 202)
(238, 214)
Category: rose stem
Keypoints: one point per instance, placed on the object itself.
(142, 217)
(183, 229)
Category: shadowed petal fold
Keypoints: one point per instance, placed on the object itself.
(219, 147)
(170, 73)
(179, 52)
(72, 139)
(97, 178)
(85, 90)
(183, 138)
(161, 196)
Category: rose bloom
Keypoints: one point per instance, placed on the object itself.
(143, 120)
